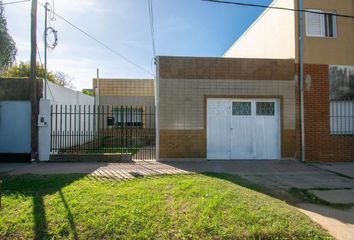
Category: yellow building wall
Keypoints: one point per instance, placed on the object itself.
(320, 50)
(125, 87)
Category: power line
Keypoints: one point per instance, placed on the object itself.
(14, 2)
(279, 8)
(152, 29)
(101, 43)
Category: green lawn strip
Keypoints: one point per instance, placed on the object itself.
(193, 206)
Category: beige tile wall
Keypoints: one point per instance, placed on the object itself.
(182, 103)
(125, 87)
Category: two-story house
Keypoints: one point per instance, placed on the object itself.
(321, 40)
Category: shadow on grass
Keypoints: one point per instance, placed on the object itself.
(294, 197)
(37, 187)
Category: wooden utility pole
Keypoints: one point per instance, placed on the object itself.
(34, 89)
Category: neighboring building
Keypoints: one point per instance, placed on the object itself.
(327, 39)
(124, 92)
(15, 118)
(222, 108)
(129, 100)
(328, 58)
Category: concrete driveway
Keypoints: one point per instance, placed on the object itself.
(331, 183)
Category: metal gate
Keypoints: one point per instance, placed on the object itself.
(121, 132)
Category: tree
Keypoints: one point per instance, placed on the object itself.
(8, 50)
(63, 79)
(23, 70)
(87, 92)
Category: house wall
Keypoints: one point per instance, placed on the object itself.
(15, 119)
(270, 36)
(320, 145)
(66, 96)
(186, 83)
(339, 50)
(125, 92)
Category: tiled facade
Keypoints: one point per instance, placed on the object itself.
(186, 83)
(125, 87)
(136, 92)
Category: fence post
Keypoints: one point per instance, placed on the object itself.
(44, 130)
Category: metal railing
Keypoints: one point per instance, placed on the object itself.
(341, 116)
(89, 129)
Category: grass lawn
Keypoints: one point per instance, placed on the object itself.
(123, 150)
(210, 206)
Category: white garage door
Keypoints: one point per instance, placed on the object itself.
(243, 129)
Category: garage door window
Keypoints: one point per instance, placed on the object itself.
(241, 108)
(265, 108)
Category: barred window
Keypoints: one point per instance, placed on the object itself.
(126, 117)
(341, 108)
(265, 108)
(241, 108)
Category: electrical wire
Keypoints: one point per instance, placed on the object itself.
(14, 2)
(101, 43)
(152, 29)
(278, 8)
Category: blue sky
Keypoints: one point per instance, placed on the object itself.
(182, 28)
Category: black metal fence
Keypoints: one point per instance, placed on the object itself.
(341, 116)
(87, 129)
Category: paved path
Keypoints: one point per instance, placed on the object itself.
(277, 176)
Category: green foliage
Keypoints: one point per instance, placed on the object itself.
(8, 48)
(87, 92)
(193, 206)
(23, 70)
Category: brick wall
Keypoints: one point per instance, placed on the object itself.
(186, 83)
(320, 146)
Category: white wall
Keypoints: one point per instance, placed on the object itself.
(15, 127)
(272, 35)
(61, 95)
(61, 98)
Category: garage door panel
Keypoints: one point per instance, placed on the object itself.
(218, 131)
(265, 140)
(266, 129)
(240, 128)
(241, 138)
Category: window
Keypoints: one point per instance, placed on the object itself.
(320, 24)
(265, 108)
(241, 108)
(341, 108)
(127, 117)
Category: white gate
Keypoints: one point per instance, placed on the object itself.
(243, 129)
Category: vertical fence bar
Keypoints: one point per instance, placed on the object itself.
(51, 128)
(75, 129)
(70, 133)
(98, 129)
(89, 127)
(65, 128)
(61, 126)
(56, 127)
(79, 129)
(84, 131)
